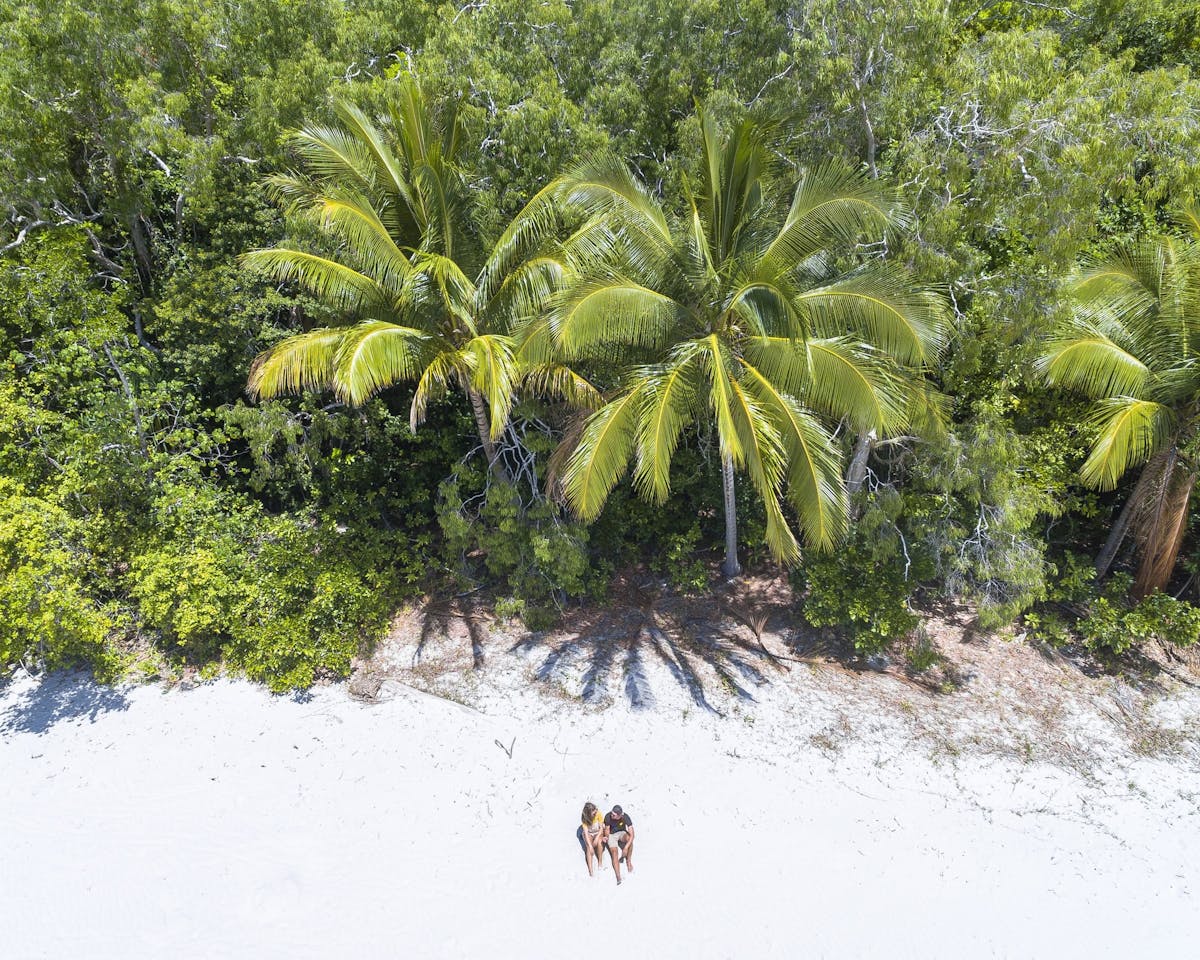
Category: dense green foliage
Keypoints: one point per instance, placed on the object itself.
(153, 515)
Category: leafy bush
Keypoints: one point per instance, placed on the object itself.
(676, 558)
(49, 612)
(1111, 627)
(283, 599)
(539, 557)
(865, 600)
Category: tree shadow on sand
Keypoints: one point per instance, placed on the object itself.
(57, 698)
(701, 642)
(448, 619)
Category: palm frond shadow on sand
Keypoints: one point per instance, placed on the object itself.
(623, 649)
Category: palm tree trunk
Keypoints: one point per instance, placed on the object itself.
(1138, 496)
(856, 473)
(731, 567)
(479, 408)
(1161, 535)
(1116, 536)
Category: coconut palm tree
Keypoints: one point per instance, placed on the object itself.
(742, 320)
(390, 200)
(1132, 346)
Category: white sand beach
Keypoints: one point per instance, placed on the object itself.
(799, 821)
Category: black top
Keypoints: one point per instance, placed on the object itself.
(617, 824)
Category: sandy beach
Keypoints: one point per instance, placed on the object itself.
(222, 821)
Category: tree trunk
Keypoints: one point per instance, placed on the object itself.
(1160, 533)
(856, 474)
(1116, 537)
(730, 568)
(479, 408)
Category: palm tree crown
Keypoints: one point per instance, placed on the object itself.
(389, 197)
(1132, 346)
(741, 319)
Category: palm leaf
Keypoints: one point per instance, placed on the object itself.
(332, 154)
(608, 310)
(883, 306)
(493, 370)
(720, 398)
(764, 458)
(299, 363)
(604, 185)
(333, 283)
(1088, 361)
(559, 380)
(433, 384)
(832, 204)
(1128, 432)
(671, 393)
(814, 470)
(373, 356)
(601, 454)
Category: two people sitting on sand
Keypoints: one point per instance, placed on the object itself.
(614, 830)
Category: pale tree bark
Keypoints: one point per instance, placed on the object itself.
(479, 408)
(1116, 536)
(731, 567)
(856, 474)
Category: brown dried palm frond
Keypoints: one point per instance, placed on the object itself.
(1161, 520)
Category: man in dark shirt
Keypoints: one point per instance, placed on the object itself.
(618, 834)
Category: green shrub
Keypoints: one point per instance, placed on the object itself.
(865, 599)
(49, 612)
(539, 557)
(1111, 627)
(283, 599)
(676, 558)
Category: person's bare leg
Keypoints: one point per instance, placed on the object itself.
(629, 855)
(588, 853)
(612, 849)
(600, 852)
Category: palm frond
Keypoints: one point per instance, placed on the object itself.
(608, 310)
(454, 287)
(389, 169)
(765, 462)
(493, 372)
(1187, 215)
(715, 363)
(814, 470)
(373, 356)
(1128, 432)
(557, 380)
(333, 154)
(883, 306)
(601, 455)
(604, 185)
(536, 220)
(671, 399)
(524, 291)
(299, 363)
(767, 307)
(355, 220)
(849, 379)
(1084, 359)
(832, 204)
(433, 384)
(333, 283)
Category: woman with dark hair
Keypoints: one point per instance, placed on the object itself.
(589, 835)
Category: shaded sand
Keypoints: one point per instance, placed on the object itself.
(224, 822)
